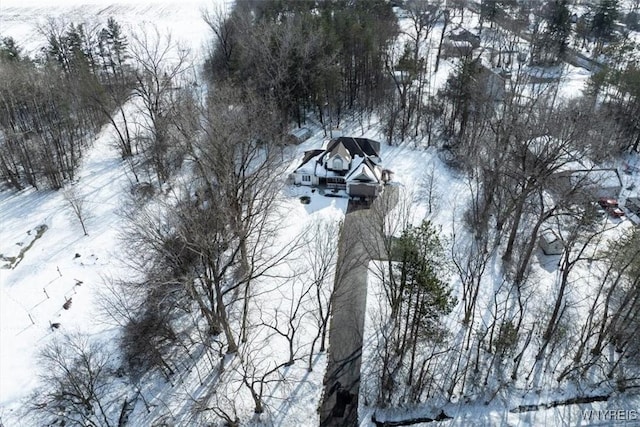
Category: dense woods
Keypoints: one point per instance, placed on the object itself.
(324, 58)
(53, 105)
(207, 154)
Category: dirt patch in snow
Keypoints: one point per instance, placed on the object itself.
(11, 262)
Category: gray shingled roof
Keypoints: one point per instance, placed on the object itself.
(356, 146)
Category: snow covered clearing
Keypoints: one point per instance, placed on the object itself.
(23, 20)
(61, 266)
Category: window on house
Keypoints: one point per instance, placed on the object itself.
(337, 164)
(306, 178)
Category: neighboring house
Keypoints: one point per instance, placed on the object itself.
(596, 183)
(350, 164)
(460, 34)
(572, 172)
(459, 42)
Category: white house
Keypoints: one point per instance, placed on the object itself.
(351, 164)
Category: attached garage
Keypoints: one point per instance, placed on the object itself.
(363, 190)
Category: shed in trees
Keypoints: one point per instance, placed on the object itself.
(632, 205)
(550, 243)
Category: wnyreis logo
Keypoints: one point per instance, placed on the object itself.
(618, 415)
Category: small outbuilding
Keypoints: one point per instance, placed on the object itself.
(632, 205)
(299, 135)
(550, 243)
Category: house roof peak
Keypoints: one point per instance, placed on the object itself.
(362, 147)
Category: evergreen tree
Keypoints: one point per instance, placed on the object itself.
(603, 22)
(113, 47)
(419, 274)
(419, 299)
(558, 19)
(9, 50)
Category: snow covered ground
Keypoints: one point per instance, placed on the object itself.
(41, 271)
(46, 260)
(22, 20)
(618, 410)
(61, 265)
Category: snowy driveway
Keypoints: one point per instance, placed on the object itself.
(339, 406)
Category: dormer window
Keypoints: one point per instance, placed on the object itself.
(337, 163)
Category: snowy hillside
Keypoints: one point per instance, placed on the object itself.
(46, 259)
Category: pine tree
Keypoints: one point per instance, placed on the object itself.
(113, 46)
(558, 28)
(420, 299)
(603, 22)
(9, 50)
(419, 273)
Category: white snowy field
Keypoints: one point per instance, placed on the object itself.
(23, 20)
(60, 265)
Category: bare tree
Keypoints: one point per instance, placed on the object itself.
(225, 30)
(78, 382)
(429, 188)
(260, 372)
(287, 323)
(407, 68)
(77, 203)
(584, 232)
(321, 258)
(118, 301)
(615, 265)
(221, 401)
(239, 162)
(160, 69)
